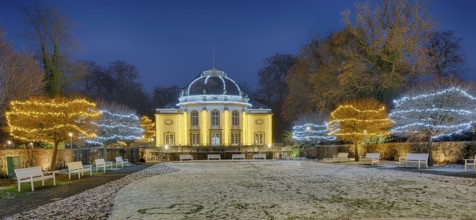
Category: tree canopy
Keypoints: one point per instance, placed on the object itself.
(357, 120)
(47, 120)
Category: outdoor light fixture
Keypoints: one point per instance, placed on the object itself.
(9, 143)
(166, 147)
(70, 140)
(269, 146)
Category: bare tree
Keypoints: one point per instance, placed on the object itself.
(51, 32)
(443, 107)
(20, 76)
(447, 57)
(272, 88)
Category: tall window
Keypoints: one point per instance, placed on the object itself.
(194, 118)
(215, 118)
(235, 118)
(195, 139)
(259, 138)
(215, 136)
(169, 139)
(235, 138)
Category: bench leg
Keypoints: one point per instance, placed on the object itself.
(32, 186)
(18, 185)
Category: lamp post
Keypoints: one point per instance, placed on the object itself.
(166, 151)
(70, 134)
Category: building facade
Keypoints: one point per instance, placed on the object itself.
(213, 111)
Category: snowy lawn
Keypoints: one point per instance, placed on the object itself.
(294, 190)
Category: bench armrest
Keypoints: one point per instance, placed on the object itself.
(467, 160)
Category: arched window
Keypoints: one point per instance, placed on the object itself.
(194, 118)
(215, 118)
(235, 118)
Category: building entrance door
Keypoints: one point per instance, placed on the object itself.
(215, 138)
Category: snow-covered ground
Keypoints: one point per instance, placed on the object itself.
(294, 190)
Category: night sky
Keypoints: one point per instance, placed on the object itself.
(170, 42)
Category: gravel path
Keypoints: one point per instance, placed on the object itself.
(294, 190)
(95, 203)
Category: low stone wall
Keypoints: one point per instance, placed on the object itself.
(443, 152)
(154, 155)
(42, 157)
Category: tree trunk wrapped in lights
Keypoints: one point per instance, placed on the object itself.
(51, 120)
(437, 109)
(359, 119)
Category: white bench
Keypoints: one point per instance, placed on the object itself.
(259, 156)
(121, 161)
(31, 174)
(186, 157)
(372, 157)
(237, 156)
(341, 157)
(413, 158)
(102, 163)
(79, 168)
(470, 162)
(214, 156)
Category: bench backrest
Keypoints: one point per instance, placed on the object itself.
(412, 156)
(188, 156)
(75, 165)
(343, 155)
(259, 155)
(119, 159)
(27, 172)
(100, 162)
(213, 155)
(372, 156)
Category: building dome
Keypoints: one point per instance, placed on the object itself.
(212, 82)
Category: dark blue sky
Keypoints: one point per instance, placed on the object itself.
(170, 42)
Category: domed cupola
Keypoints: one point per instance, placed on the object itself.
(212, 82)
(213, 87)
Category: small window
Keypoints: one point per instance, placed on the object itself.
(259, 139)
(215, 118)
(194, 118)
(169, 139)
(235, 138)
(235, 118)
(195, 139)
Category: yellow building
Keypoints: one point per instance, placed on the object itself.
(213, 111)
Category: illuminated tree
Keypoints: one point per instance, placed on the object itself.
(117, 124)
(359, 119)
(438, 109)
(149, 128)
(51, 120)
(311, 127)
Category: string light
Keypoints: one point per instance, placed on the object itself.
(416, 114)
(309, 132)
(115, 126)
(350, 122)
(49, 120)
(438, 93)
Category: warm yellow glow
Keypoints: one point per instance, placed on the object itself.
(358, 120)
(51, 120)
